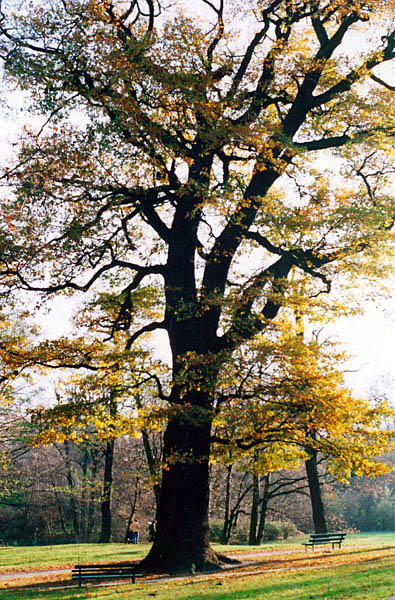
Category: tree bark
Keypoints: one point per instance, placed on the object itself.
(153, 468)
(83, 503)
(182, 541)
(252, 539)
(90, 521)
(317, 504)
(105, 533)
(133, 505)
(263, 511)
(226, 530)
(70, 482)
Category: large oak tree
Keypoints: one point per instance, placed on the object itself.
(169, 145)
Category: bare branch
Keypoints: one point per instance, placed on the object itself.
(220, 32)
(264, 242)
(337, 141)
(147, 328)
(382, 82)
(68, 284)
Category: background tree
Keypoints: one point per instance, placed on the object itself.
(169, 147)
(285, 402)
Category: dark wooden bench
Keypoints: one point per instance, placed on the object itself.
(316, 539)
(104, 571)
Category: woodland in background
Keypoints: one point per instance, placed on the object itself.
(54, 494)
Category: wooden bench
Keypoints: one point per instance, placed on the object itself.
(316, 539)
(104, 571)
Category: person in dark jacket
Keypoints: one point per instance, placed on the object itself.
(152, 531)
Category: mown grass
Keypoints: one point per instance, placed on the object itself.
(26, 558)
(386, 538)
(369, 579)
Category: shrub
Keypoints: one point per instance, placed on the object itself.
(216, 528)
(288, 529)
(273, 531)
(276, 530)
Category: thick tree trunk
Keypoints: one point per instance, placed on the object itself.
(105, 533)
(315, 493)
(182, 540)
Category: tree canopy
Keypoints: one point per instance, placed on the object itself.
(235, 156)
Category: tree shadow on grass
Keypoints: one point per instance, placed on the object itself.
(360, 581)
(319, 586)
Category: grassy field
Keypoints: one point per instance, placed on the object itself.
(27, 558)
(363, 581)
(363, 570)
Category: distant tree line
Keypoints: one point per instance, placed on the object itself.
(57, 494)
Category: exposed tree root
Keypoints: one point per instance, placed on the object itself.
(179, 563)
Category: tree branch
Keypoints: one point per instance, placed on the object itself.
(156, 269)
(145, 329)
(220, 24)
(382, 82)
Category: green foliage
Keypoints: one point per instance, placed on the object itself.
(239, 534)
(273, 531)
(288, 529)
(364, 504)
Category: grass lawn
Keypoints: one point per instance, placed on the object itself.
(26, 558)
(363, 570)
(386, 538)
(366, 580)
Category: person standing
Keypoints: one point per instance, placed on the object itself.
(134, 531)
(152, 531)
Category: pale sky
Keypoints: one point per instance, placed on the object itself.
(370, 341)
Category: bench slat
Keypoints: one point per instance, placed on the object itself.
(104, 565)
(327, 537)
(91, 573)
(104, 571)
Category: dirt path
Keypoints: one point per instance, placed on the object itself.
(28, 574)
(244, 556)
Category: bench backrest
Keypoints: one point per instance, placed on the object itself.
(105, 565)
(327, 536)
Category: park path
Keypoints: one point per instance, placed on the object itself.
(252, 563)
(26, 574)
